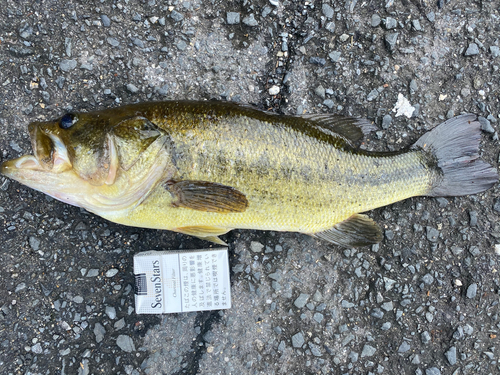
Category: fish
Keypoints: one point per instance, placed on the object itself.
(203, 168)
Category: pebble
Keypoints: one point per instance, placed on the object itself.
(329, 103)
(298, 340)
(327, 11)
(317, 61)
(113, 42)
(106, 22)
(99, 332)
(391, 40)
(431, 16)
(426, 337)
(318, 317)
(416, 25)
(111, 312)
(404, 347)
(433, 371)
(233, 18)
(67, 65)
(368, 351)
(472, 50)
(486, 125)
(375, 20)
(428, 279)
(256, 247)
(432, 234)
(386, 326)
(472, 290)
(20, 286)
(301, 300)
(274, 90)
(451, 355)
(320, 91)
(34, 243)
(390, 23)
(125, 343)
(93, 272)
(119, 324)
(37, 348)
(495, 51)
(334, 56)
(111, 272)
(176, 16)
(250, 20)
(386, 121)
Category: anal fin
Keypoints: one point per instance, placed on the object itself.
(357, 230)
(207, 233)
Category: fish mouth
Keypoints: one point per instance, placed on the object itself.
(50, 155)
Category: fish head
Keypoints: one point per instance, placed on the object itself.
(94, 160)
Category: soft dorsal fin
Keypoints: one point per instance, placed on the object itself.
(350, 128)
(207, 196)
(357, 230)
(205, 232)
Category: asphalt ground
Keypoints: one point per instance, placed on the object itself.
(424, 301)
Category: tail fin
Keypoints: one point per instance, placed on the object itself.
(454, 145)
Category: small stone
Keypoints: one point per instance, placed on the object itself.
(386, 121)
(298, 340)
(416, 25)
(317, 61)
(111, 272)
(106, 22)
(318, 317)
(404, 347)
(386, 326)
(472, 290)
(250, 20)
(329, 103)
(391, 40)
(176, 16)
(390, 23)
(67, 65)
(426, 337)
(113, 42)
(486, 125)
(368, 351)
(132, 88)
(428, 279)
(37, 348)
(375, 20)
(334, 56)
(99, 332)
(451, 355)
(343, 37)
(387, 306)
(78, 299)
(120, 324)
(320, 91)
(19, 287)
(432, 234)
(93, 272)
(125, 343)
(274, 90)
(256, 247)
(495, 51)
(34, 243)
(433, 371)
(472, 50)
(346, 304)
(233, 18)
(301, 300)
(431, 16)
(111, 312)
(327, 11)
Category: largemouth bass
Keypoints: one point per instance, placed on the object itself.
(204, 168)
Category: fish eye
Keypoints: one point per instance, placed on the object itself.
(67, 121)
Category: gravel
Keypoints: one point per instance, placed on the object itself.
(424, 299)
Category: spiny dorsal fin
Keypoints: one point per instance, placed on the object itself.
(207, 196)
(352, 129)
(357, 230)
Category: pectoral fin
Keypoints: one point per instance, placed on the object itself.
(358, 230)
(207, 196)
(206, 233)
